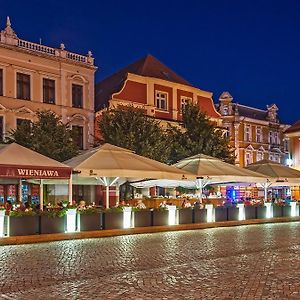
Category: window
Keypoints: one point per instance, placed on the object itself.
(23, 86)
(248, 158)
(78, 130)
(258, 134)
(48, 91)
(77, 95)
(271, 157)
(225, 110)
(1, 82)
(286, 145)
(227, 132)
(23, 121)
(277, 158)
(276, 138)
(162, 100)
(271, 137)
(1, 128)
(259, 155)
(247, 133)
(184, 101)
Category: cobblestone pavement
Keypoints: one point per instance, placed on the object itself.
(246, 262)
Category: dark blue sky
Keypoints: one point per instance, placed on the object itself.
(249, 48)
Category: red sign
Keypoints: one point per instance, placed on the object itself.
(34, 172)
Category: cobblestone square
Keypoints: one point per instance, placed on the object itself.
(245, 262)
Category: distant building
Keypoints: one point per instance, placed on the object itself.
(149, 84)
(36, 77)
(255, 134)
(293, 138)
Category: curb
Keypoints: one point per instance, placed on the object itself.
(42, 238)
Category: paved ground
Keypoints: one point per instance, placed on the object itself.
(246, 262)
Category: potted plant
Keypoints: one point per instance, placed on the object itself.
(142, 217)
(185, 215)
(160, 216)
(23, 223)
(250, 212)
(200, 215)
(220, 213)
(52, 221)
(90, 219)
(113, 218)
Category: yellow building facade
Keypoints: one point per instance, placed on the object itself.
(34, 77)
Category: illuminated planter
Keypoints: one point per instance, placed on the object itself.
(71, 220)
(294, 209)
(24, 225)
(277, 211)
(185, 216)
(210, 217)
(52, 224)
(113, 220)
(200, 215)
(242, 214)
(261, 212)
(250, 212)
(220, 214)
(287, 211)
(233, 213)
(143, 218)
(127, 218)
(160, 217)
(90, 222)
(2, 217)
(269, 210)
(172, 216)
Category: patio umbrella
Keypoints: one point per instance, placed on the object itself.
(277, 174)
(211, 170)
(110, 164)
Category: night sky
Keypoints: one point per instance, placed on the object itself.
(249, 48)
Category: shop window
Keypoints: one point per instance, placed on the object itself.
(161, 100)
(1, 82)
(23, 86)
(77, 95)
(48, 91)
(78, 130)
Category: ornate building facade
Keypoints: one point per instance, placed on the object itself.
(293, 137)
(36, 77)
(255, 134)
(149, 84)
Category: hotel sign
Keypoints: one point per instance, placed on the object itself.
(34, 172)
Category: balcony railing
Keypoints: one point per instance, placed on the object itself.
(56, 52)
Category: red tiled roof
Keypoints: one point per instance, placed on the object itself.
(148, 66)
(294, 128)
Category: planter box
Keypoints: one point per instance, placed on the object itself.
(286, 210)
(220, 214)
(90, 222)
(185, 216)
(160, 217)
(200, 215)
(52, 225)
(143, 218)
(233, 213)
(26, 225)
(250, 212)
(277, 211)
(261, 212)
(113, 220)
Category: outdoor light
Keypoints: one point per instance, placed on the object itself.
(210, 213)
(71, 220)
(293, 209)
(172, 214)
(269, 212)
(2, 215)
(127, 217)
(241, 208)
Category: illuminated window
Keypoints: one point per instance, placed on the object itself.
(1, 82)
(258, 135)
(161, 100)
(185, 101)
(259, 155)
(247, 133)
(48, 91)
(225, 110)
(23, 86)
(248, 158)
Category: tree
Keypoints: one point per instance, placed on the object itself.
(48, 136)
(198, 135)
(129, 127)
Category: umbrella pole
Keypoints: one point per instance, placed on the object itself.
(41, 194)
(266, 192)
(200, 185)
(107, 196)
(70, 191)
